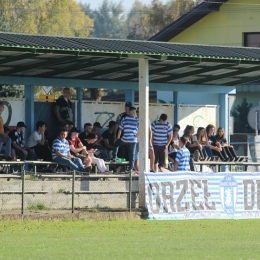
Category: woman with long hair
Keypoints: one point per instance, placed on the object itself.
(191, 144)
(214, 145)
(201, 138)
(229, 149)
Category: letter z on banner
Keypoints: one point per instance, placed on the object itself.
(190, 195)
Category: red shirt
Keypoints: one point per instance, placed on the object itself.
(74, 142)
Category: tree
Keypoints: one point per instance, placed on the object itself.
(240, 112)
(52, 17)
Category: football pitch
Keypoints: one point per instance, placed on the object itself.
(130, 239)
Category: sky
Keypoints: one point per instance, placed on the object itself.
(94, 4)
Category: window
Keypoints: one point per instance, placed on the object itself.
(252, 39)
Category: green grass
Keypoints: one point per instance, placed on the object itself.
(38, 206)
(132, 239)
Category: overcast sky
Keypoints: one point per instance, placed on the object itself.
(94, 4)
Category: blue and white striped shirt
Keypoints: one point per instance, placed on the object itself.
(161, 132)
(183, 158)
(61, 146)
(130, 126)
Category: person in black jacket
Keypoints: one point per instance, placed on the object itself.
(63, 107)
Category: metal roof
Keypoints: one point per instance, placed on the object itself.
(50, 57)
(188, 19)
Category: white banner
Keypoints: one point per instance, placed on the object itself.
(103, 112)
(14, 111)
(191, 195)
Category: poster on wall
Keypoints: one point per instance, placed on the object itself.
(198, 115)
(191, 195)
(14, 111)
(103, 112)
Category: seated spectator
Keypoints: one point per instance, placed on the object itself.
(182, 160)
(70, 125)
(174, 146)
(77, 148)
(36, 142)
(98, 130)
(13, 155)
(107, 141)
(84, 135)
(22, 149)
(4, 138)
(61, 153)
(92, 138)
(228, 149)
(215, 146)
(201, 138)
(194, 148)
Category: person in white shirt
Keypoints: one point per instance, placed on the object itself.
(37, 142)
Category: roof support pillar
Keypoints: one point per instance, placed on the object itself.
(130, 96)
(79, 108)
(224, 119)
(175, 101)
(143, 126)
(29, 109)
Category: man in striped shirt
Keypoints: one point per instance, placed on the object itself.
(182, 160)
(130, 126)
(162, 136)
(61, 153)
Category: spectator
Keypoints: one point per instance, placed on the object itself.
(122, 149)
(194, 147)
(70, 125)
(162, 136)
(182, 160)
(84, 135)
(176, 127)
(4, 138)
(201, 138)
(174, 146)
(229, 149)
(22, 149)
(214, 145)
(61, 153)
(36, 142)
(98, 130)
(129, 126)
(63, 107)
(107, 141)
(90, 145)
(77, 148)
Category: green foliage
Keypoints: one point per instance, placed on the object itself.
(240, 112)
(11, 91)
(130, 239)
(52, 17)
(38, 206)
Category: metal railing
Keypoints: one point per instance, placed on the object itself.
(71, 190)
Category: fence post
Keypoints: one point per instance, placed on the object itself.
(130, 190)
(73, 191)
(23, 179)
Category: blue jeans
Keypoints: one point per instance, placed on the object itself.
(76, 164)
(7, 141)
(130, 147)
(207, 152)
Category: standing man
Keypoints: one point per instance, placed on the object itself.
(4, 138)
(182, 160)
(129, 126)
(63, 107)
(122, 150)
(162, 136)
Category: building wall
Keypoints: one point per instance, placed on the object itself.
(225, 27)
